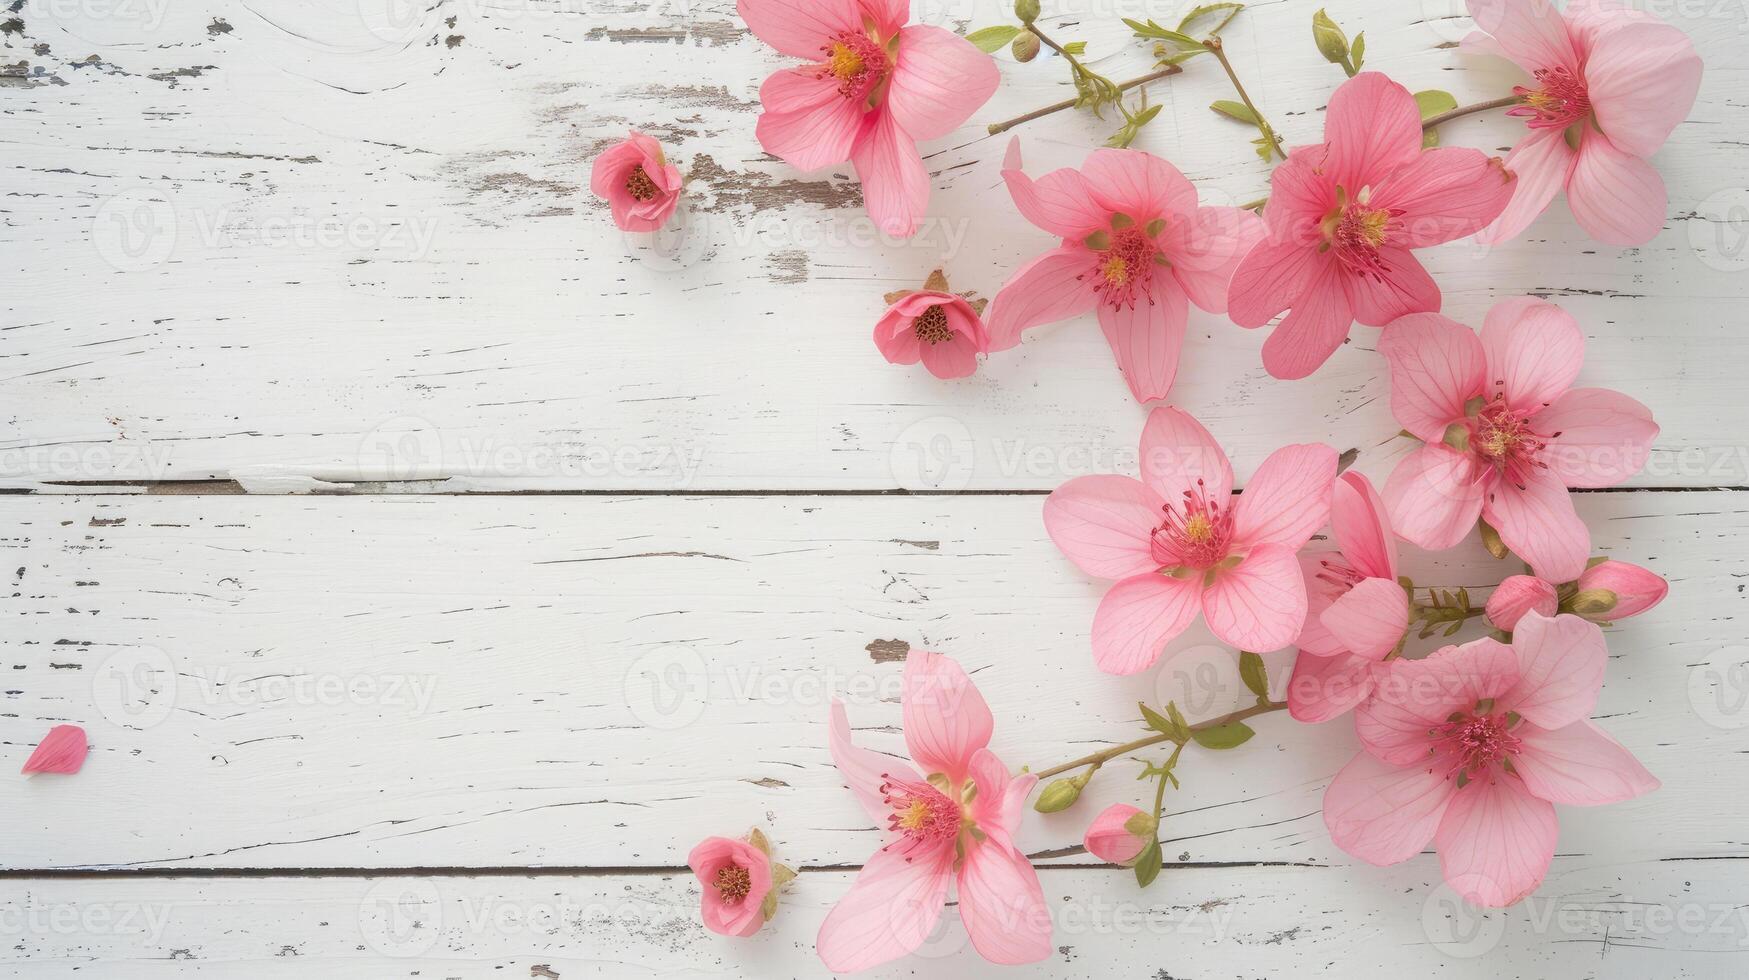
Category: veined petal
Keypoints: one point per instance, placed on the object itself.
(1435, 496)
(1323, 688)
(1579, 765)
(1605, 437)
(1371, 618)
(1641, 77)
(946, 719)
(1259, 605)
(1437, 366)
(1179, 456)
(1384, 814)
(1534, 351)
(890, 909)
(1530, 32)
(1138, 617)
(1052, 287)
(1496, 841)
(1205, 249)
(1317, 325)
(864, 770)
(939, 80)
(1288, 498)
(1060, 202)
(1618, 198)
(1561, 661)
(1271, 277)
(1447, 193)
(1538, 523)
(1361, 529)
(1541, 163)
(1402, 286)
(1147, 338)
(1003, 905)
(895, 187)
(1103, 524)
(1372, 127)
(1412, 696)
(1138, 184)
(799, 28)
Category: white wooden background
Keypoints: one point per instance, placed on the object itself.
(429, 722)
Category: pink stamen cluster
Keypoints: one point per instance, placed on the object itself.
(922, 814)
(1560, 100)
(733, 883)
(1502, 437)
(1357, 231)
(1195, 534)
(857, 61)
(1126, 267)
(1470, 744)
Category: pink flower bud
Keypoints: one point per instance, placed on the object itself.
(736, 878)
(635, 178)
(1518, 595)
(1636, 589)
(1119, 834)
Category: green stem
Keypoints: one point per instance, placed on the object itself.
(1216, 48)
(1100, 758)
(1003, 127)
(1464, 110)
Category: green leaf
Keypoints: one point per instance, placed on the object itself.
(1253, 673)
(1208, 10)
(1433, 102)
(991, 39)
(1229, 736)
(1357, 52)
(1181, 57)
(1173, 727)
(1148, 865)
(1178, 718)
(1076, 48)
(1234, 110)
(1155, 31)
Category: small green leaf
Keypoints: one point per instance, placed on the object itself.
(1254, 673)
(1357, 52)
(1433, 102)
(991, 39)
(1229, 736)
(1234, 110)
(1180, 58)
(1208, 10)
(1173, 727)
(1148, 865)
(1183, 733)
(1076, 48)
(1155, 31)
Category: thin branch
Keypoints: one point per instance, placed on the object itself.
(1464, 110)
(1003, 127)
(1099, 758)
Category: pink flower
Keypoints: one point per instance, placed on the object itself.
(955, 819)
(1356, 611)
(876, 87)
(1119, 834)
(1635, 589)
(1471, 747)
(1519, 595)
(943, 329)
(1506, 433)
(1136, 248)
(1606, 591)
(1178, 544)
(636, 179)
(1343, 217)
(735, 876)
(62, 750)
(1609, 84)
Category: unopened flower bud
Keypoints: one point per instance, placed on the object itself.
(1120, 834)
(1026, 10)
(1025, 46)
(1060, 795)
(1332, 43)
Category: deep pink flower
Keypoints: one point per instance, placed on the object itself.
(735, 877)
(1356, 611)
(875, 88)
(1343, 216)
(1505, 432)
(62, 750)
(1119, 834)
(1518, 595)
(1472, 747)
(1179, 544)
(1136, 248)
(956, 819)
(636, 179)
(943, 329)
(1630, 589)
(1608, 85)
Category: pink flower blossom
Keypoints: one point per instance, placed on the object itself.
(874, 89)
(1472, 747)
(1178, 543)
(735, 877)
(635, 178)
(62, 750)
(1519, 595)
(943, 329)
(955, 819)
(1608, 86)
(1356, 611)
(1607, 591)
(1136, 248)
(1505, 432)
(1343, 216)
(1119, 834)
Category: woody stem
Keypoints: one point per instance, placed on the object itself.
(1464, 110)
(1003, 127)
(1100, 758)
(1216, 48)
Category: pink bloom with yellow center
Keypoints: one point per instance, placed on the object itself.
(942, 329)
(735, 877)
(636, 180)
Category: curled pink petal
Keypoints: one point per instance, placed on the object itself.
(1518, 595)
(62, 750)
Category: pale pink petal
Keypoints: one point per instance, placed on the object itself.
(1301, 193)
(1402, 286)
(940, 79)
(1361, 529)
(1318, 324)
(1579, 765)
(1288, 498)
(1322, 688)
(1534, 350)
(1060, 202)
(895, 187)
(1146, 339)
(1561, 660)
(886, 15)
(1001, 799)
(1003, 905)
(62, 750)
(1372, 127)
(806, 122)
(956, 357)
(1108, 837)
(946, 719)
(1206, 248)
(890, 909)
(1052, 287)
(864, 770)
(1538, 524)
(1604, 437)
(1435, 496)
(1518, 595)
(896, 338)
(1530, 32)
(1446, 193)
(1137, 618)
(1259, 605)
(1412, 696)
(1272, 277)
(1103, 524)
(1641, 77)
(1496, 841)
(1540, 162)
(1636, 589)
(1436, 365)
(1618, 198)
(611, 166)
(1371, 618)
(799, 28)
(1138, 184)
(1481, 44)
(1321, 591)
(1179, 457)
(1384, 814)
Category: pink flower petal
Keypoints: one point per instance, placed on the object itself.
(1402, 287)
(1361, 529)
(1206, 248)
(1372, 127)
(1147, 339)
(1541, 162)
(1003, 905)
(1496, 841)
(887, 15)
(1636, 589)
(890, 909)
(807, 123)
(1323, 688)
(1001, 800)
(1530, 32)
(742, 918)
(1109, 839)
(1641, 77)
(1138, 617)
(1436, 365)
(864, 770)
(1103, 525)
(1561, 661)
(1445, 194)
(1179, 457)
(1538, 523)
(1605, 437)
(946, 719)
(1370, 619)
(1060, 202)
(1435, 496)
(1534, 350)
(1412, 696)
(1288, 498)
(940, 79)
(956, 357)
(1052, 287)
(1138, 184)
(1301, 193)
(1321, 592)
(1618, 198)
(62, 750)
(1273, 276)
(895, 187)
(1259, 605)
(1384, 814)
(799, 28)
(1518, 595)
(1318, 324)
(1579, 765)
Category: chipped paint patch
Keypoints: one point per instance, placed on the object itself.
(758, 191)
(888, 651)
(788, 266)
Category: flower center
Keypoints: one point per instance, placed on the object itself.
(1503, 438)
(931, 326)
(1357, 230)
(922, 814)
(1559, 102)
(639, 185)
(1338, 573)
(1194, 534)
(1126, 264)
(857, 61)
(1472, 743)
(733, 883)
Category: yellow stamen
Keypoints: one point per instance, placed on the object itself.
(1116, 271)
(845, 61)
(914, 815)
(1199, 528)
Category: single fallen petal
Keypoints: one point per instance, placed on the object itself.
(62, 750)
